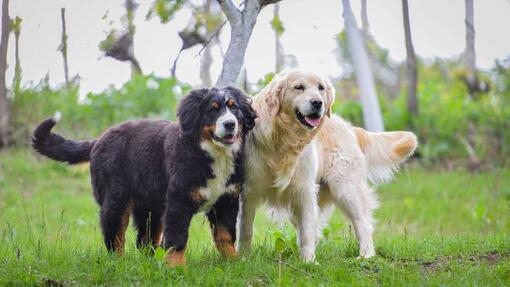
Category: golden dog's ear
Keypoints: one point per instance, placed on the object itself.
(330, 97)
(273, 95)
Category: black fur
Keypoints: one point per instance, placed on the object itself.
(58, 148)
(151, 169)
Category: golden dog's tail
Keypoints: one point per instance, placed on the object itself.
(385, 151)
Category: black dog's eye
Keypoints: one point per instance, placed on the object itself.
(299, 87)
(321, 87)
(233, 108)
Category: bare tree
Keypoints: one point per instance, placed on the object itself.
(190, 37)
(372, 116)
(411, 70)
(469, 53)
(214, 22)
(205, 66)
(206, 60)
(365, 26)
(4, 102)
(131, 6)
(63, 45)
(241, 26)
(277, 25)
(120, 45)
(16, 28)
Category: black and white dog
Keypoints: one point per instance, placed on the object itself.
(164, 172)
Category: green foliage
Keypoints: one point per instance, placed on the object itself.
(263, 82)
(350, 110)
(16, 25)
(434, 228)
(165, 9)
(449, 121)
(141, 97)
(109, 41)
(277, 25)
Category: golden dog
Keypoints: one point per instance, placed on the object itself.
(304, 161)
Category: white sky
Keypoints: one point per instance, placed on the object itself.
(437, 27)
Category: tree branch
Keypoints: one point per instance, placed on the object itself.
(268, 2)
(214, 36)
(233, 14)
(241, 24)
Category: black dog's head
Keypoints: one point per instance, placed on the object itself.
(219, 115)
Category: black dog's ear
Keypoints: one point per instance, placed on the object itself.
(189, 112)
(249, 114)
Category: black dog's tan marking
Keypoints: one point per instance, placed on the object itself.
(162, 172)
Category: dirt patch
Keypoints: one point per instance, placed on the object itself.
(440, 263)
(52, 283)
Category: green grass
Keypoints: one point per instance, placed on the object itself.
(434, 228)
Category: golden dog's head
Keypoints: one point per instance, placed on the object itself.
(299, 98)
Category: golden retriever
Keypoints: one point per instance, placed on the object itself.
(304, 161)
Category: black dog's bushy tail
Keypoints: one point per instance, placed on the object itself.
(58, 148)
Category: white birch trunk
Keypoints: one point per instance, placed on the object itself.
(365, 26)
(4, 102)
(411, 69)
(372, 116)
(241, 25)
(469, 53)
(279, 54)
(205, 66)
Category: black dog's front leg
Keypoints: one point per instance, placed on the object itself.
(179, 211)
(222, 218)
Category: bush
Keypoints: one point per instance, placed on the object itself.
(88, 116)
(450, 122)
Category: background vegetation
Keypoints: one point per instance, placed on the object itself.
(454, 129)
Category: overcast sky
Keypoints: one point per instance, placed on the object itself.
(437, 27)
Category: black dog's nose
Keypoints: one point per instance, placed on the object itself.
(229, 125)
(316, 103)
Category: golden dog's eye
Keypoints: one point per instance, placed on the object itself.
(321, 87)
(299, 87)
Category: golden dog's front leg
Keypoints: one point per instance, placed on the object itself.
(246, 216)
(305, 219)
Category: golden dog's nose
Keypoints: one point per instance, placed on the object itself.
(316, 103)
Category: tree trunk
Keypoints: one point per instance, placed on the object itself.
(207, 60)
(130, 15)
(411, 71)
(365, 26)
(241, 25)
(4, 102)
(364, 78)
(469, 53)
(279, 54)
(205, 66)
(17, 66)
(63, 47)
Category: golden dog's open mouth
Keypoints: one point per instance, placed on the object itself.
(310, 121)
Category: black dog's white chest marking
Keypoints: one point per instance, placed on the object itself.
(222, 167)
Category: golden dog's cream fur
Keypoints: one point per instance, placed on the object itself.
(306, 171)
(349, 158)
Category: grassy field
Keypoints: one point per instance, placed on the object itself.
(434, 228)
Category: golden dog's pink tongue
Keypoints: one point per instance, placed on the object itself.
(314, 122)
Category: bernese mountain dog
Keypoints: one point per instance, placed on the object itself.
(162, 172)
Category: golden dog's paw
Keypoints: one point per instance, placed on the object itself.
(309, 258)
(366, 256)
